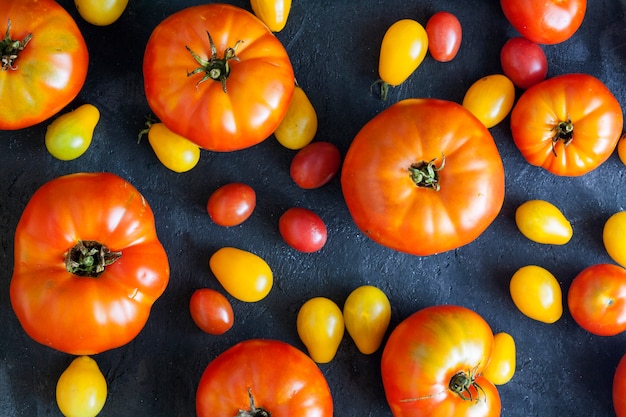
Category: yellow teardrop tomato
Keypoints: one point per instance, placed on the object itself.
(320, 327)
(537, 293)
(621, 149)
(367, 313)
(403, 49)
(542, 222)
(502, 364)
(100, 12)
(174, 151)
(299, 126)
(70, 134)
(273, 13)
(490, 99)
(614, 237)
(82, 389)
(244, 275)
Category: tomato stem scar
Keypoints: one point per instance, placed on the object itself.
(89, 258)
(11, 48)
(425, 174)
(254, 411)
(215, 68)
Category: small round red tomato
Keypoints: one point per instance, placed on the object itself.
(444, 36)
(524, 62)
(262, 377)
(303, 229)
(597, 299)
(315, 165)
(545, 22)
(231, 204)
(619, 388)
(211, 311)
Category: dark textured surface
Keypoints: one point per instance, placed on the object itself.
(561, 369)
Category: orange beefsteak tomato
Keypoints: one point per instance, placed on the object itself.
(88, 264)
(422, 177)
(216, 75)
(44, 61)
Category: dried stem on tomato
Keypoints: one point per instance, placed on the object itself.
(564, 131)
(426, 174)
(89, 258)
(254, 411)
(10, 48)
(215, 68)
(462, 384)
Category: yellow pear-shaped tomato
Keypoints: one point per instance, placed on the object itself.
(320, 326)
(174, 151)
(614, 237)
(244, 275)
(490, 99)
(82, 389)
(367, 313)
(502, 364)
(273, 13)
(542, 222)
(101, 12)
(70, 134)
(621, 149)
(537, 293)
(299, 126)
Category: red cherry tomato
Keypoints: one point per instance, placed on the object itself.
(211, 311)
(315, 165)
(619, 388)
(524, 62)
(303, 230)
(231, 204)
(444, 36)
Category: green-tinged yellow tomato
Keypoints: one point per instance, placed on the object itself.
(537, 293)
(490, 99)
(100, 12)
(502, 364)
(273, 13)
(70, 134)
(320, 326)
(542, 222)
(614, 237)
(367, 313)
(174, 151)
(244, 275)
(82, 389)
(299, 126)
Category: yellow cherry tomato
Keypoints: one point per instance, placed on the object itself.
(490, 99)
(542, 222)
(174, 151)
(621, 149)
(537, 293)
(502, 364)
(320, 327)
(614, 237)
(299, 126)
(82, 389)
(403, 49)
(244, 275)
(367, 313)
(70, 134)
(273, 13)
(100, 12)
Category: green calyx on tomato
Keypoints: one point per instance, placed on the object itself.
(10, 48)
(425, 174)
(216, 68)
(462, 383)
(89, 258)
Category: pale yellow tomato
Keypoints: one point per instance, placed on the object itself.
(542, 222)
(82, 389)
(537, 293)
(70, 135)
(614, 237)
(174, 151)
(502, 364)
(490, 99)
(320, 326)
(101, 12)
(299, 126)
(273, 13)
(367, 313)
(244, 275)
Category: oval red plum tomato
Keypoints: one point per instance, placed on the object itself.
(619, 388)
(444, 36)
(231, 204)
(315, 165)
(303, 229)
(211, 311)
(524, 62)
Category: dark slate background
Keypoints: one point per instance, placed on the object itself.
(561, 369)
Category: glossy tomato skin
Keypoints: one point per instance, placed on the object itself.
(320, 326)
(619, 388)
(244, 275)
(444, 36)
(597, 299)
(537, 293)
(211, 311)
(70, 135)
(259, 86)
(569, 124)
(80, 314)
(524, 62)
(273, 13)
(383, 198)
(501, 367)
(543, 222)
(367, 313)
(278, 377)
(51, 69)
(545, 22)
(299, 126)
(490, 99)
(81, 390)
(315, 165)
(231, 204)
(100, 13)
(175, 152)
(423, 355)
(614, 237)
(303, 229)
